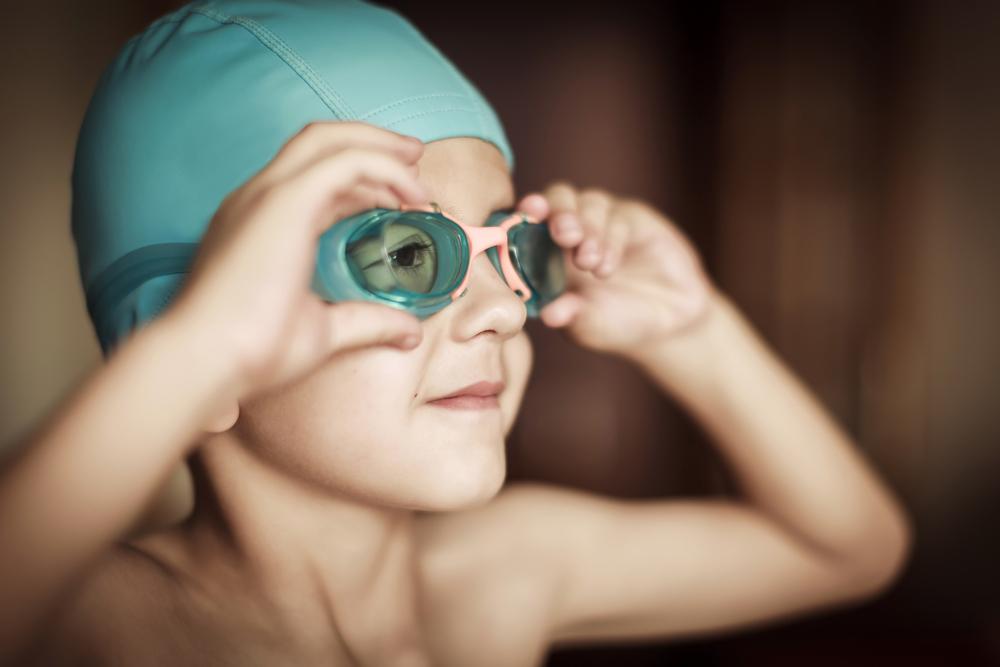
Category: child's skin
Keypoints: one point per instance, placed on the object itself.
(341, 519)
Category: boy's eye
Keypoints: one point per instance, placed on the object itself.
(412, 254)
(412, 263)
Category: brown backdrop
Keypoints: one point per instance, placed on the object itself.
(835, 162)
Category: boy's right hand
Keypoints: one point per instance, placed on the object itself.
(248, 297)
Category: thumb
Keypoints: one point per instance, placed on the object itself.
(354, 324)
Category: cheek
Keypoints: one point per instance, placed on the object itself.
(355, 426)
(343, 422)
(518, 359)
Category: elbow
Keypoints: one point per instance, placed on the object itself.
(880, 561)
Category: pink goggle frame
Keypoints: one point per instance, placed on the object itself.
(480, 240)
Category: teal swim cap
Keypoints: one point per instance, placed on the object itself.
(204, 97)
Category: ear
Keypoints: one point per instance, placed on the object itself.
(224, 420)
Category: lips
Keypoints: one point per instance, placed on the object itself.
(481, 389)
(478, 396)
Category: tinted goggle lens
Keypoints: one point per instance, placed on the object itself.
(539, 260)
(410, 252)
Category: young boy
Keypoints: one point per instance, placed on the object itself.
(348, 456)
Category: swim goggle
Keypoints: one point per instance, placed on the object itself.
(412, 258)
(418, 258)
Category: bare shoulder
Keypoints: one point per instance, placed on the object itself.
(557, 567)
(103, 619)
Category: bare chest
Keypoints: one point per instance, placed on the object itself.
(467, 613)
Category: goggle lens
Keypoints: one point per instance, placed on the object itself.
(539, 260)
(408, 253)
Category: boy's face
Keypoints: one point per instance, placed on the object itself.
(361, 424)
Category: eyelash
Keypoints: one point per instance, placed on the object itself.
(417, 246)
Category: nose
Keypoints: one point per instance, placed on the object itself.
(488, 305)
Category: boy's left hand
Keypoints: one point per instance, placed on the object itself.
(633, 278)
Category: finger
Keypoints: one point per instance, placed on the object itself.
(355, 324)
(535, 205)
(366, 196)
(561, 196)
(593, 206)
(566, 230)
(321, 137)
(317, 192)
(564, 225)
(615, 241)
(562, 311)
(362, 197)
(324, 137)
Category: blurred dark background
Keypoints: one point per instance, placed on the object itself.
(837, 165)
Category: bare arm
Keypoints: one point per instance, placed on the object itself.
(86, 474)
(817, 527)
(795, 464)
(244, 321)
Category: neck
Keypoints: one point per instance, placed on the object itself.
(302, 547)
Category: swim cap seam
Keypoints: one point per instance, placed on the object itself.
(458, 78)
(428, 113)
(289, 56)
(405, 100)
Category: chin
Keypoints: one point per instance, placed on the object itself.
(461, 474)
